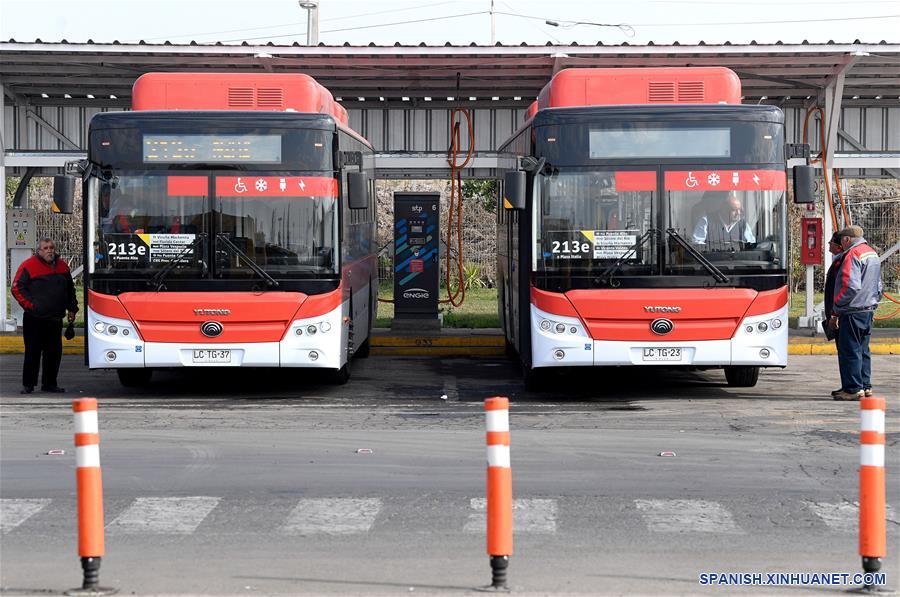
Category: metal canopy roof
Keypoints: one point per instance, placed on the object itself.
(42, 73)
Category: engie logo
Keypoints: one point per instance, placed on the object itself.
(416, 293)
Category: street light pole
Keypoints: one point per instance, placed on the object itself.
(312, 21)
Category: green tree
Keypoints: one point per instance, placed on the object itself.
(484, 191)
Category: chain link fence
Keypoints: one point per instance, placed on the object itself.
(875, 206)
(65, 229)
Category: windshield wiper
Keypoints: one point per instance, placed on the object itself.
(157, 280)
(270, 281)
(607, 274)
(716, 272)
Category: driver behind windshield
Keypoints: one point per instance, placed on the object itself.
(722, 224)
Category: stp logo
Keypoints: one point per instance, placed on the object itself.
(417, 209)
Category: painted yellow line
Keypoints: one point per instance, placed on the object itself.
(437, 341)
(438, 351)
(15, 345)
(815, 349)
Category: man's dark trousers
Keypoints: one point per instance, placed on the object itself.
(854, 358)
(43, 338)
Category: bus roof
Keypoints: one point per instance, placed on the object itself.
(271, 92)
(611, 86)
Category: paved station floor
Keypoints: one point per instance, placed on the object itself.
(251, 482)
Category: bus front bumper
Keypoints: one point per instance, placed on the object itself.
(573, 348)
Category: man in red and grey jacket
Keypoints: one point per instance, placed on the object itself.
(857, 290)
(43, 286)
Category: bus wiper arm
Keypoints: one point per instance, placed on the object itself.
(157, 280)
(716, 272)
(607, 274)
(270, 281)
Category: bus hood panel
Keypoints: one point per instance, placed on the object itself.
(243, 316)
(695, 313)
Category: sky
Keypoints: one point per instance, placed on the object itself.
(384, 22)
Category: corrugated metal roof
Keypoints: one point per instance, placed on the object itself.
(777, 71)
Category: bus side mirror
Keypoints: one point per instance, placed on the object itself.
(63, 195)
(514, 190)
(805, 185)
(358, 190)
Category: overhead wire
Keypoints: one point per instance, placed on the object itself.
(328, 20)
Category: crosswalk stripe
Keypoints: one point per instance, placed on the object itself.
(843, 516)
(535, 516)
(687, 516)
(164, 515)
(14, 512)
(332, 516)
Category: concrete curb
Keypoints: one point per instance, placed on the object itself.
(477, 345)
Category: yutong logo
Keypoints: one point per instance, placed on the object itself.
(211, 329)
(212, 311)
(416, 293)
(661, 327)
(662, 309)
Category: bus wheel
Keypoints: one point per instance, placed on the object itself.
(365, 349)
(134, 378)
(342, 375)
(742, 377)
(534, 379)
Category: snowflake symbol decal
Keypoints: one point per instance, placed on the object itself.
(261, 185)
(713, 179)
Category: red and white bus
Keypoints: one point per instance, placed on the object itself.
(646, 225)
(229, 222)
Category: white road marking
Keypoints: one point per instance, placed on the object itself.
(14, 512)
(332, 516)
(535, 516)
(164, 515)
(843, 516)
(687, 516)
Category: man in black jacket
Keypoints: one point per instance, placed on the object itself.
(43, 286)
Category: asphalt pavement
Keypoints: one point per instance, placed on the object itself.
(251, 482)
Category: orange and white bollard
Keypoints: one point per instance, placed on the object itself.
(499, 490)
(872, 515)
(90, 492)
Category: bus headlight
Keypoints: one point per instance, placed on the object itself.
(559, 355)
(112, 330)
(776, 323)
(560, 328)
(325, 326)
(311, 330)
(99, 327)
(545, 325)
(763, 326)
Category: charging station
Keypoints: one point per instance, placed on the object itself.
(416, 261)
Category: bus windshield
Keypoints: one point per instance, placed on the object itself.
(145, 220)
(735, 218)
(591, 219)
